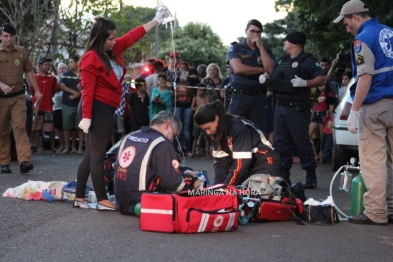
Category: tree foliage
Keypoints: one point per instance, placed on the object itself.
(325, 37)
(314, 18)
(197, 44)
(130, 17)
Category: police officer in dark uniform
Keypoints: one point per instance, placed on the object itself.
(292, 78)
(248, 60)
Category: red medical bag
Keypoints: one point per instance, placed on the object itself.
(276, 210)
(188, 213)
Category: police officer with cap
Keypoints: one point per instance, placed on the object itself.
(248, 60)
(14, 61)
(292, 77)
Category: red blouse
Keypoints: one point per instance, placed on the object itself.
(96, 83)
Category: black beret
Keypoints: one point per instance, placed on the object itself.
(8, 28)
(296, 38)
(256, 23)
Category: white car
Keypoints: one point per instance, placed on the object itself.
(345, 144)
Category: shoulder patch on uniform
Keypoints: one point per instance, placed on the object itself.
(357, 46)
(230, 49)
(127, 156)
(385, 38)
(318, 64)
(359, 60)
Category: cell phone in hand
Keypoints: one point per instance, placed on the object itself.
(184, 75)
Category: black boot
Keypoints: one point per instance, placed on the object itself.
(311, 178)
(285, 174)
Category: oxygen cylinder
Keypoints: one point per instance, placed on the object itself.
(358, 190)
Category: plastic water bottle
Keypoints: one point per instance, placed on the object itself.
(345, 182)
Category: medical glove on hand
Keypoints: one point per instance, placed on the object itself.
(84, 124)
(298, 82)
(262, 78)
(160, 15)
(352, 121)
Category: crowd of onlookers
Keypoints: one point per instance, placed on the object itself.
(177, 87)
(56, 112)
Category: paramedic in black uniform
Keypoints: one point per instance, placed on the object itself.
(292, 77)
(147, 162)
(239, 148)
(248, 60)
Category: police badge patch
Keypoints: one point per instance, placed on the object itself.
(359, 60)
(259, 60)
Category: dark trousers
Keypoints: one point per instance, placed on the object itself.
(291, 135)
(250, 107)
(97, 142)
(326, 147)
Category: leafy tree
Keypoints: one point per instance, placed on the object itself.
(130, 17)
(76, 20)
(325, 37)
(197, 44)
(315, 19)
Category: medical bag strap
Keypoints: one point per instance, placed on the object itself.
(121, 146)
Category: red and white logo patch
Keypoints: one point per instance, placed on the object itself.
(218, 221)
(175, 164)
(127, 156)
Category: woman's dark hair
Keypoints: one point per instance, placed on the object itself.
(328, 88)
(185, 63)
(97, 38)
(207, 113)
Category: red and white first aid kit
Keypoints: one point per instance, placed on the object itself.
(188, 213)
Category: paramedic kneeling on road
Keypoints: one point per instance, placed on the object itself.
(239, 148)
(147, 162)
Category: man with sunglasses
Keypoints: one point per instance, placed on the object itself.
(147, 162)
(248, 60)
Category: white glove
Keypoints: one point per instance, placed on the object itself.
(262, 78)
(298, 82)
(352, 121)
(160, 15)
(84, 124)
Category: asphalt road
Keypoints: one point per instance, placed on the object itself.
(44, 231)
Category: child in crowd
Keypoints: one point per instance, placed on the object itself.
(319, 111)
(327, 133)
(44, 111)
(344, 84)
(161, 98)
(197, 132)
(139, 106)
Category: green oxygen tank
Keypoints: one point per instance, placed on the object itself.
(358, 190)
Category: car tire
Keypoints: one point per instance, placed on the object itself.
(339, 158)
